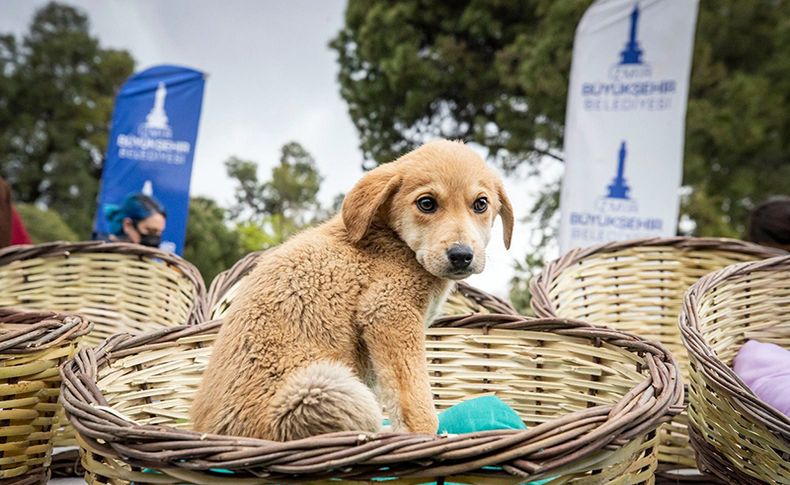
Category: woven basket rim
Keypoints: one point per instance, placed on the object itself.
(486, 299)
(65, 249)
(43, 330)
(542, 304)
(225, 280)
(642, 409)
(714, 369)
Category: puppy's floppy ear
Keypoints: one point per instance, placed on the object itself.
(366, 198)
(506, 213)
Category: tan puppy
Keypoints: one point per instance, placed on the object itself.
(341, 308)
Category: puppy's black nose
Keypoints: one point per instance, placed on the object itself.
(460, 256)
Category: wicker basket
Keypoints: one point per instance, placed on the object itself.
(637, 286)
(592, 398)
(119, 287)
(464, 300)
(32, 347)
(737, 437)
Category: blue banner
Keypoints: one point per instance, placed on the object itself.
(151, 146)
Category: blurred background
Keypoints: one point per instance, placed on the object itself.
(302, 96)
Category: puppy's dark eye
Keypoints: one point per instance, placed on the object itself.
(427, 204)
(480, 205)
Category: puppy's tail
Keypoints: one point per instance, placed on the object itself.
(323, 398)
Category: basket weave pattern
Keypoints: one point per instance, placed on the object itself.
(591, 396)
(32, 347)
(120, 287)
(637, 286)
(465, 299)
(737, 436)
(225, 285)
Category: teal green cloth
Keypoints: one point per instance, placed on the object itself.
(481, 414)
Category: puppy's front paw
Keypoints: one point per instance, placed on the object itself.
(422, 422)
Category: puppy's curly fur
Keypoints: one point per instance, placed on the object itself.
(339, 311)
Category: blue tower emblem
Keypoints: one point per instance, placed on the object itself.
(632, 53)
(619, 189)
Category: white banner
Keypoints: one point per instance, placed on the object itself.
(625, 121)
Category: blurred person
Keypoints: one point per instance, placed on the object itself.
(19, 234)
(12, 229)
(769, 223)
(140, 219)
(5, 213)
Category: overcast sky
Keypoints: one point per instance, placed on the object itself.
(271, 79)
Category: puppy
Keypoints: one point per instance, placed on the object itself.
(339, 310)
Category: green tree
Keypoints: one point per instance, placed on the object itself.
(293, 188)
(255, 236)
(496, 73)
(57, 86)
(543, 220)
(270, 211)
(210, 244)
(44, 225)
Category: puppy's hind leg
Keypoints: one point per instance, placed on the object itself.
(324, 397)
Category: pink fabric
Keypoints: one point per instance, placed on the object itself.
(765, 368)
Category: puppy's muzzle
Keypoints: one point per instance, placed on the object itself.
(460, 256)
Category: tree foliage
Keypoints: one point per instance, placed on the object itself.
(265, 212)
(496, 73)
(210, 243)
(268, 212)
(492, 72)
(57, 86)
(44, 225)
(737, 132)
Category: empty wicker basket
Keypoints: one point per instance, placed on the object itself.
(464, 300)
(591, 396)
(32, 348)
(120, 287)
(738, 437)
(637, 286)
